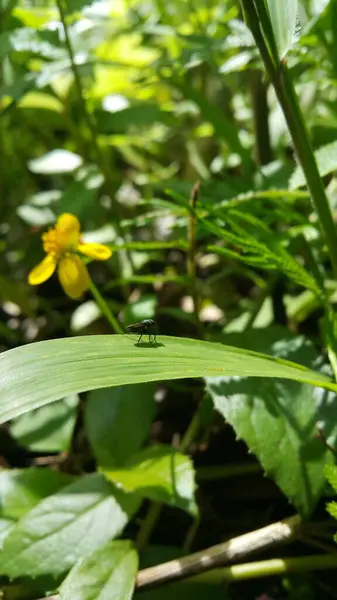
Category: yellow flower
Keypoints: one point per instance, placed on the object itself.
(62, 244)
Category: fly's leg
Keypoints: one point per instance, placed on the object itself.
(140, 337)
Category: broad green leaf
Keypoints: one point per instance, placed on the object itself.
(21, 490)
(5, 527)
(326, 158)
(39, 373)
(118, 420)
(277, 419)
(56, 161)
(65, 527)
(283, 19)
(160, 473)
(49, 428)
(107, 574)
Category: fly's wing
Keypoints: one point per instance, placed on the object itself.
(136, 328)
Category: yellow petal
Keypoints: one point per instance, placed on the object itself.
(68, 231)
(43, 271)
(67, 223)
(73, 276)
(96, 251)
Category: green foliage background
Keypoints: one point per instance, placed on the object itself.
(112, 453)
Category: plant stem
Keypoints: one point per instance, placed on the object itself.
(246, 571)
(281, 80)
(230, 551)
(267, 568)
(105, 308)
(191, 255)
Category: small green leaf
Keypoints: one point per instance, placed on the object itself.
(326, 158)
(21, 490)
(107, 574)
(39, 373)
(332, 509)
(330, 472)
(118, 420)
(65, 527)
(49, 428)
(277, 419)
(160, 473)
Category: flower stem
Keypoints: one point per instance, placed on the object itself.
(259, 23)
(104, 308)
(191, 256)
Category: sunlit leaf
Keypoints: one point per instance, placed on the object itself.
(21, 490)
(160, 473)
(283, 18)
(65, 527)
(39, 373)
(277, 419)
(107, 574)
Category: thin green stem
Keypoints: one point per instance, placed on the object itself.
(105, 308)
(267, 568)
(191, 255)
(284, 88)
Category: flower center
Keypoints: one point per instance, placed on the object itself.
(58, 242)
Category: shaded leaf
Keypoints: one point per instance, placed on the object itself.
(118, 420)
(49, 428)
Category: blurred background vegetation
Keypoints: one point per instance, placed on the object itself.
(113, 111)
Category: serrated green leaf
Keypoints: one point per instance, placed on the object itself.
(21, 490)
(118, 420)
(160, 473)
(65, 527)
(277, 419)
(331, 507)
(283, 19)
(330, 472)
(326, 158)
(49, 428)
(39, 373)
(107, 574)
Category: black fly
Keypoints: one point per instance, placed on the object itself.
(146, 327)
